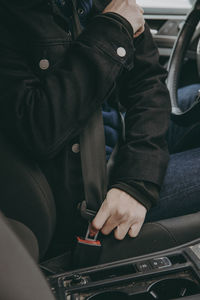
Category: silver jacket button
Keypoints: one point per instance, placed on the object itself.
(81, 11)
(121, 52)
(44, 64)
(76, 148)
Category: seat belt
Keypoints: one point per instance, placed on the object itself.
(93, 162)
(93, 154)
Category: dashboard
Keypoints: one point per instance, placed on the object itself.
(165, 19)
(166, 7)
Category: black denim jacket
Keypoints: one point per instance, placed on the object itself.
(50, 85)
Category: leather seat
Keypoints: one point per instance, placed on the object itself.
(26, 236)
(20, 277)
(154, 237)
(25, 195)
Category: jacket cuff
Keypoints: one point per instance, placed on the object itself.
(111, 35)
(139, 166)
(122, 20)
(146, 193)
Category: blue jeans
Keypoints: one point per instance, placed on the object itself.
(180, 193)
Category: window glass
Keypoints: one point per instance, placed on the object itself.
(186, 4)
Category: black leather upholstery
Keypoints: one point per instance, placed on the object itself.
(20, 277)
(26, 237)
(25, 195)
(153, 237)
(182, 229)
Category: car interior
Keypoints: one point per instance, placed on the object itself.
(165, 260)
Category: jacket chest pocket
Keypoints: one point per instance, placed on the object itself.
(47, 56)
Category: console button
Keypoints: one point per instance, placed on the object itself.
(143, 266)
(158, 263)
(78, 280)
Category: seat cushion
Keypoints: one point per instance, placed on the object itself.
(154, 237)
(26, 236)
(20, 277)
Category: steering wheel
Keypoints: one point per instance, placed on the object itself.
(198, 57)
(191, 115)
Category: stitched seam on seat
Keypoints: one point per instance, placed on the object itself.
(41, 190)
(163, 227)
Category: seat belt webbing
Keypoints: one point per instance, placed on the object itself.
(93, 155)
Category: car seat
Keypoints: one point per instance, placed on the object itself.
(20, 276)
(25, 195)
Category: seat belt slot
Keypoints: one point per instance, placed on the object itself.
(87, 250)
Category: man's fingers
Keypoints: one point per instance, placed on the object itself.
(110, 224)
(121, 231)
(141, 9)
(100, 219)
(119, 211)
(140, 31)
(135, 229)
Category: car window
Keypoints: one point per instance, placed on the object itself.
(169, 3)
(170, 6)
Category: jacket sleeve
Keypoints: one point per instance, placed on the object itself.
(143, 157)
(46, 109)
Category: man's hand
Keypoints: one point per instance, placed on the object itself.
(120, 212)
(130, 11)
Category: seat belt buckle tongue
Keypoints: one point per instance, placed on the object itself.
(87, 250)
(86, 213)
(89, 240)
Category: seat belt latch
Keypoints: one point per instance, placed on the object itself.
(88, 240)
(86, 213)
(87, 250)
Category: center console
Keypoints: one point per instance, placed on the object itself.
(170, 274)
